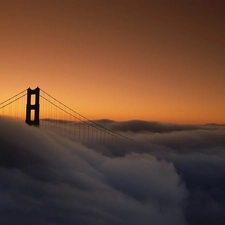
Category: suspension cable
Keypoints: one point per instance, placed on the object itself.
(13, 97)
(95, 125)
(12, 101)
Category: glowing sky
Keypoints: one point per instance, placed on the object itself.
(151, 60)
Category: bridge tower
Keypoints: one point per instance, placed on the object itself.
(32, 110)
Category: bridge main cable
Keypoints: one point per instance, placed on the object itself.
(96, 127)
(91, 123)
(6, 102)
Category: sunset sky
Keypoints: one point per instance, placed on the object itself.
(149, 60)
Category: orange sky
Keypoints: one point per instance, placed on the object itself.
(118, 59)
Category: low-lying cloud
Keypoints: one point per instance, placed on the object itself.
(170, 174)
(46, 179)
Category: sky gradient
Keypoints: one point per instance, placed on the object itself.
(122, 60)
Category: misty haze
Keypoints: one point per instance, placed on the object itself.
(171, 174)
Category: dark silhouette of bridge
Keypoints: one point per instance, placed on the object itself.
(42, 110)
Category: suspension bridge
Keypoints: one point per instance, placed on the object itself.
(40, 109)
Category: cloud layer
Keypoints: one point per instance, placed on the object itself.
(47, 179)
(170, 174)
(198, 154)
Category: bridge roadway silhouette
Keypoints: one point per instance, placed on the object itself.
(42, 110)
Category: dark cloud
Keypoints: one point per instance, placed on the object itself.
(47, 179)
(174, 174)
(198, 155)
(145, 126)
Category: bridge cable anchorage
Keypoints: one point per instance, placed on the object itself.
(88, 121)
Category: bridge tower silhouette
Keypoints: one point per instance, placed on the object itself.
(32, 110)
